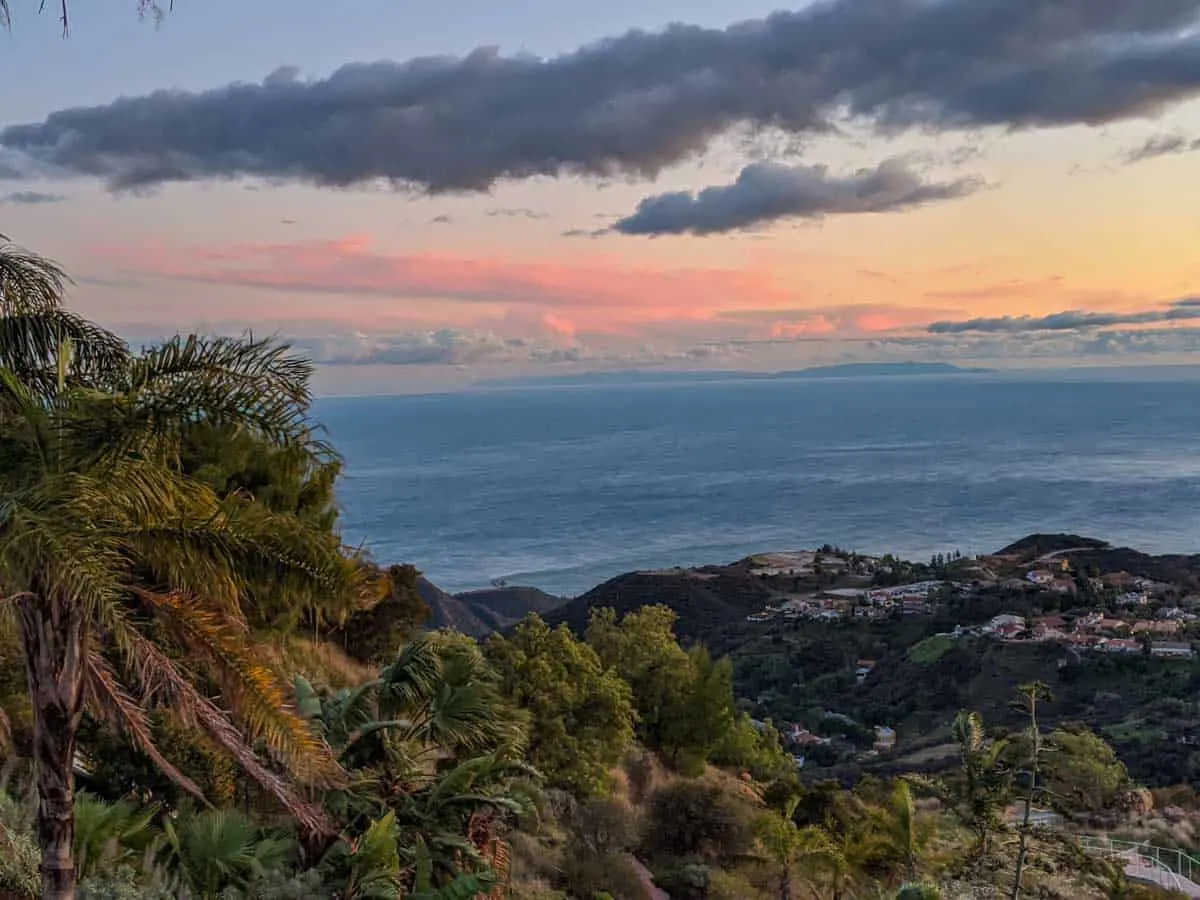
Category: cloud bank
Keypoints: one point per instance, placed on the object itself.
(767, 192)
(1163, 145)
(30, 198)
(1071, 320)
(352, 266)
(638, 103)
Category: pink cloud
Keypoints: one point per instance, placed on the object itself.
(810, 327)
(849, 319)
(351, 266)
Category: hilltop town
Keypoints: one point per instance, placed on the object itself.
(862, 660)
(1115, 612)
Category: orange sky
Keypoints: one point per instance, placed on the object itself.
(496, 282)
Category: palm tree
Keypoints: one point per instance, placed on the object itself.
(983, 784)
(784, 843)
(905, 834)
(431, 744)
(439, 698)
(125, 575)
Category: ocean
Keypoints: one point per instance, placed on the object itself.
(563, 487)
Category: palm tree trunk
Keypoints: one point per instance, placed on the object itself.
(53, 634)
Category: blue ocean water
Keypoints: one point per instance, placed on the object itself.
(563, 487)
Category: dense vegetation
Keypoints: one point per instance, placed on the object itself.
(204, 694)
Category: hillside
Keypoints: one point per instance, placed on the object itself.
(703, 599)
(796, 627)
(479, 613)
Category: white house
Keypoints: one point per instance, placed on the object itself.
(1173, 649)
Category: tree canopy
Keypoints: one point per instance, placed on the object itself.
(582, 712)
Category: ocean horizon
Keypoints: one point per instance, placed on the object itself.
(564, 486)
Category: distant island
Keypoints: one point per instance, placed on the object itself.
(643, 376)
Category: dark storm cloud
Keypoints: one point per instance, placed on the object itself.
(637, 103)
(1163, 145)
(30, 198)
(766, 192)
(1072, 320)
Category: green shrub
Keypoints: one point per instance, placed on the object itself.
(282, 884)
(588, 874)
(700, 820)
(724, 885)
(605, 826)
(122, 883)
(19, 855)
(687, 882)
(919, 892)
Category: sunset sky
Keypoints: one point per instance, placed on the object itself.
(426, 194)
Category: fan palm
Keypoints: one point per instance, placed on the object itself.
(210, 851)
(124, 574)
(429, 745)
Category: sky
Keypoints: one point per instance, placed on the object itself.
(427, 195)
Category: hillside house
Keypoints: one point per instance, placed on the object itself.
(1098, 623)
(885, 739)
(1172, 649)
(802, 737)
(1133, 598)
(1002, 620)
(1121, 645)
(1049, 628)
(862, 669)
(1161, 629)
(1008, 631)
(1121, 581)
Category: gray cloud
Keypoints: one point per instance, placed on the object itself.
(1071, 320)
(519, 212)
(635, 104)
(436, 347)
(31, 198)
(766, 192)
(1163, 145)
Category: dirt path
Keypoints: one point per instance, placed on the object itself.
(653, 892)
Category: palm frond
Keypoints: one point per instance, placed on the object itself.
(31, 344)
(6, 736)
(412, 678)
(28, 283)
(160, 678)
(111, 702)
(68, 561)
(252, 691)
(255, 384)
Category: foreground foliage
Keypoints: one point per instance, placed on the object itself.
(256, 713)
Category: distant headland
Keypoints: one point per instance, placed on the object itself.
(644, 376)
